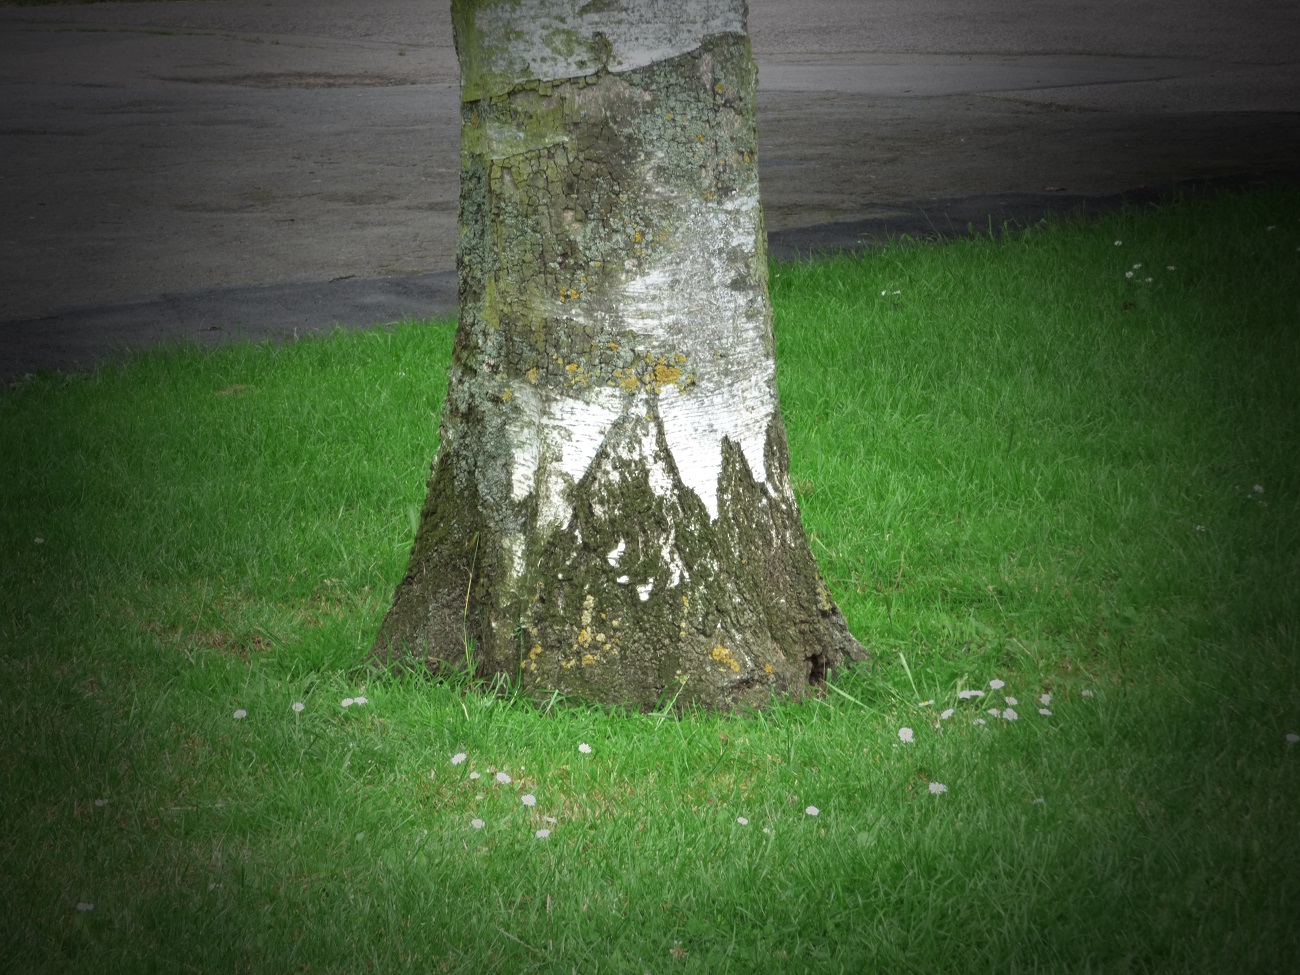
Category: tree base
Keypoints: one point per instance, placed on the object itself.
(641, 598)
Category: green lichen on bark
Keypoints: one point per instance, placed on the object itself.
(573, 192)
(564, 216)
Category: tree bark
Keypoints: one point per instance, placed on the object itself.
(609, 512)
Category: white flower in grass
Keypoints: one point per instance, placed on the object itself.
(529, 799)
(813, 811)
(359, 700)
(1292, 738)
(1136, 266)
(101, 802)
(85, 906)
(995, 712)
(1045, 712)
(240, 714)
(1009, 715)
(1011, 700)
(1171, 267)
(549, 819)
(979, 721)
(1118, 242)
(997, 684)
(1086, 692)
(458, 758)
(298, 706)
(937, 787)
(1258, 489)
(926, 704)
(473, 775)
(347, 702)
(905, 735)
(1128, 274)
(503, 778)
(742, 820)
(966, 695)
(584, 748)
(1045, 698)
(1040, 801)
(542, 834)
(946, 714)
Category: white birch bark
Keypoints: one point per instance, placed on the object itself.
(610, 508)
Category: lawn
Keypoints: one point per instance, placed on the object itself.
(1053, 479)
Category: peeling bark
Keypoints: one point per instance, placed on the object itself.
(609, 514)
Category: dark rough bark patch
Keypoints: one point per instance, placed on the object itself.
(436, 611)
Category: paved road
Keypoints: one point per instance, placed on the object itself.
(201, 168)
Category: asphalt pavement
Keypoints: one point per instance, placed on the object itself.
(201, 170)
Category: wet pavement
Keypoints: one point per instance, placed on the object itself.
(198, 170)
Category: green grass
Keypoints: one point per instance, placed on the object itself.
(1021, 466)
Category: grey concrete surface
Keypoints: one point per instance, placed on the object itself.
(197, 169)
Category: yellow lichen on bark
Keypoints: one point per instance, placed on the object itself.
(723, 656)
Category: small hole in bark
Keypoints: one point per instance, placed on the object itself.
(817, 669)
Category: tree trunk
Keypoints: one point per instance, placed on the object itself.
(609, 512)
